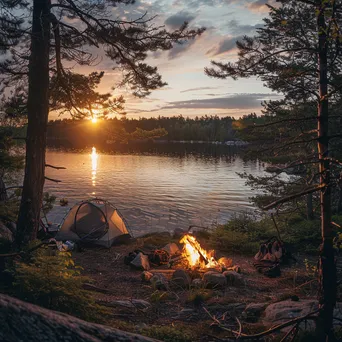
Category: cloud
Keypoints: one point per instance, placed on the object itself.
(260, 5)
(200, 3)
(199, 88)
(237, 29)
(177, 20)
(233, 101)
(179, 49)
(225, 45)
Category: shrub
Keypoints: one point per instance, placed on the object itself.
(243, 234)
(53, 281)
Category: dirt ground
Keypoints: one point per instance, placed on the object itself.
(177, 308)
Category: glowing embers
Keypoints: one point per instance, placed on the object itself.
(197, 256)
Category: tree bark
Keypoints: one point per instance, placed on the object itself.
(328, 287)
(38, 108)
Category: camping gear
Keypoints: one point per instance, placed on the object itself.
(270, 256)
(94, 222)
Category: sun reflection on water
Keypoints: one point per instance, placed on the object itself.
(94, 157)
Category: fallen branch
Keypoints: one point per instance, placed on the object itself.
(53, 180)
(242, 336)
(55, 167)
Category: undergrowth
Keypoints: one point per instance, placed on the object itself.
(243, 234)
(52, 280)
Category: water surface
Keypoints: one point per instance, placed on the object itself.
(155, 192)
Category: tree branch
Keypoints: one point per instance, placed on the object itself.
(294, 196)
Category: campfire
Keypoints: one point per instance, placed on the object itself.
(196, 256)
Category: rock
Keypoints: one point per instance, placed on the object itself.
(178, 233)
(159, 282)
(197, 283)
(234, 278)
(225, 262)
(131, 304)
(5, 233)
(214, 280)
(39, 324)
(286, 310)
(253, 311)
(171, 249)
(146, 276)
(181, 278)
(141, 262)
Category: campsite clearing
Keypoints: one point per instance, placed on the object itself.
(123, 285)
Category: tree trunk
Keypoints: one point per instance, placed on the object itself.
(38, 108)
(339, 203)
(21, 321)
(327, 294)
(3, 192)
(309, 207)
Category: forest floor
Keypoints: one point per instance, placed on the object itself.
(178, 309)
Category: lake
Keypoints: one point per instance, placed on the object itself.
(155, 192)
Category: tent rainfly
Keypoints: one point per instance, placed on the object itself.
(94, 222)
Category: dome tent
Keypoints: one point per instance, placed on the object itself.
(94, 222)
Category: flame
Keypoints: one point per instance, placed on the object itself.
(196, 255)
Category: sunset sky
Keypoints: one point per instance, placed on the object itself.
(189, 91)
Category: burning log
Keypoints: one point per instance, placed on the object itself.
(196, 255)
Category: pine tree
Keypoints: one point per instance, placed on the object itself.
(298, 54)
(72, 31)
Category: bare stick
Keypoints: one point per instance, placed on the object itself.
(55, 167)
(53, 180)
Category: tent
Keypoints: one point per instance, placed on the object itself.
(94, 222)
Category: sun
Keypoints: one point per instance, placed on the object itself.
(94, 120)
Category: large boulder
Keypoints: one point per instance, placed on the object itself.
(22, 321)
(214, 280)
(286, 310)
(141, 262)
(181, 279)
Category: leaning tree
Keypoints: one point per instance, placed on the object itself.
(43, 41)
(298, 54)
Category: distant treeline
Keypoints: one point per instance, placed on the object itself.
(83, 133)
